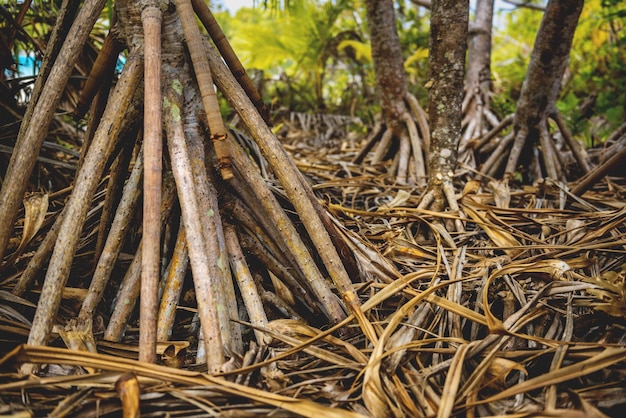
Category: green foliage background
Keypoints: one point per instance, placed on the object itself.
(315, 56)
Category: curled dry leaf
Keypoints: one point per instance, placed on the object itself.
(35, 209)
(498, 372)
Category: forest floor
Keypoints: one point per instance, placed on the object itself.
(523, 312)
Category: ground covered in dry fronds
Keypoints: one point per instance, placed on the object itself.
(520, 314)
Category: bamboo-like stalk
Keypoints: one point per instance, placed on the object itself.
(372, 138)
(404, 152)
(280, 305)
(212, 229)
(113, 244)
(495, 160)
(422, 121)
(18, 24)
(153, 152)
(115, 120)
(173, 286)
(125, 300)
(247, 287)
(297, 190)
(131, 284)
(274, 211)
(203, 280)
(114, 190)
(383, 146)
(263, 227)
(599, 172)
(202, 71)
(35, 127)
(416, 146)
(231, 59)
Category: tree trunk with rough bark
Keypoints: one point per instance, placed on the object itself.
(478, 117)
(448, 44)
(400, 109)
(537, 103)
(388, 62)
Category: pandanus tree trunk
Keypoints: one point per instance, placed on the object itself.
(537, 104)
(478, 118)
(404, 121)
(447, 48)
(177, 97)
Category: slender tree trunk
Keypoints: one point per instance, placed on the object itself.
(392, 85)
(388, 62)
(479, 48)
(477, 116)
(543, 78)
(448, 42)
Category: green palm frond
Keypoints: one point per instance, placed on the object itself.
(362, 50)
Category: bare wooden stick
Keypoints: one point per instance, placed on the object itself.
(382, 146)
(261, 226)
(36, 263)
(253, 246)
(599, 172)
(202, 70)
(113, 244)
(212, 229)
(231, 59)
(505, 122)
(104, 64)
(490, 167)
(114, 122)
(247, 287)
(373, 137)
(422, 121)
(130, 287)
(114, 190)
(96, 110)
(153, 151)
(402, 173)
(34, 129)
(579, 153)
(258, 226)
(416, 146)
(173, 286)
(203, 280)
(125, 300)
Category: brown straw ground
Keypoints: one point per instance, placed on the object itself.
(522, 314)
